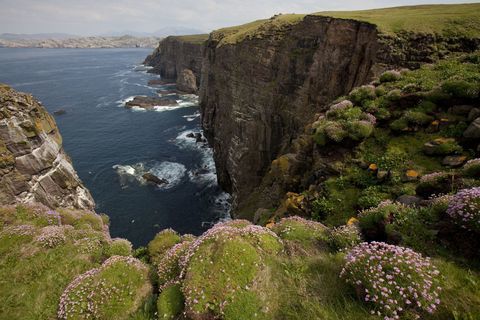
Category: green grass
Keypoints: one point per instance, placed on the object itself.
(33, 277)
(448, 20)
(194, 38)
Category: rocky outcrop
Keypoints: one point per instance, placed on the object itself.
(186, 82)
(177, 53)
(257, 94)
(33, 165)
(149, 102)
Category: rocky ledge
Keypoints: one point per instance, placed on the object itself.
(33, 165)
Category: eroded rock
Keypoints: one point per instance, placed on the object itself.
(34, 166)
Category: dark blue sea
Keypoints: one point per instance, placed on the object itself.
(112, 147)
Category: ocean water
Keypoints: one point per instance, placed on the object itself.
(112, 147)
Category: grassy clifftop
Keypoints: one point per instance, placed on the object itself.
(447, 20)
(193, 38)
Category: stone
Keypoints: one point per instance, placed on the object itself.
(461, 110)
(186, 81)
(454, 161)
(150, 102)
(473, 130)
(382, 174)
(441, 146)
(474, 114)
(410, 175)
(409, 200)
(150, 177)
(59, 112)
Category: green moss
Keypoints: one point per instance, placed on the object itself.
(371, 197)
(113, 291)
(170, 302)
(307, 233)
(460, 88)
(163, 241)
(119, 247)
(33, 276)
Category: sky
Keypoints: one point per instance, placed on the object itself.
(95, 17)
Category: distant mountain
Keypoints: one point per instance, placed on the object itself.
(36, 36)
(161, 33)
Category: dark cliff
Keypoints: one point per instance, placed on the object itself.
(177, 53)
(259, 89)
(33, 165)
(256, 95)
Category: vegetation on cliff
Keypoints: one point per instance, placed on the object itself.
(457, 20)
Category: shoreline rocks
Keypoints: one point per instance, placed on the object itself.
(150, 102)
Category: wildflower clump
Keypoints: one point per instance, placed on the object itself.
(373, 222)
(344, 237)
(342, 121)
(434, 183)
(394, 280)
(464, 209)
(163, 241)
(113, 291)
(119, 247)
(51, 236)
(298, 229)
(225, 272)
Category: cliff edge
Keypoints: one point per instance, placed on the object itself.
(33, 165)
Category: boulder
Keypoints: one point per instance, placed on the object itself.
(461, 110)
(409, 200)
(454, 161)
(150, 102)
(150, 177)
(186, 81)
(474, 114)
(441, 146)
(473, 130)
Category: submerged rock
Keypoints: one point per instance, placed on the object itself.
(149, 177)
(59, 112)
(150, 102)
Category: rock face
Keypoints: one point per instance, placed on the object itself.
(175, 54)
(33, 165)
(257, 94)
(186, 82)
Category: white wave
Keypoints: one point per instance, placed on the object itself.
(205, 174)
(142, 68)
(138, 109)
(122, 102)
(191, 117)
(172, 172)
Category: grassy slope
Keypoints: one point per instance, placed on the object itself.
(194, 38)
(448, 20)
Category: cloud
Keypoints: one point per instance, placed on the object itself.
(89, 17)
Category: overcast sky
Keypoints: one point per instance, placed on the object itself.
(90, 17)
